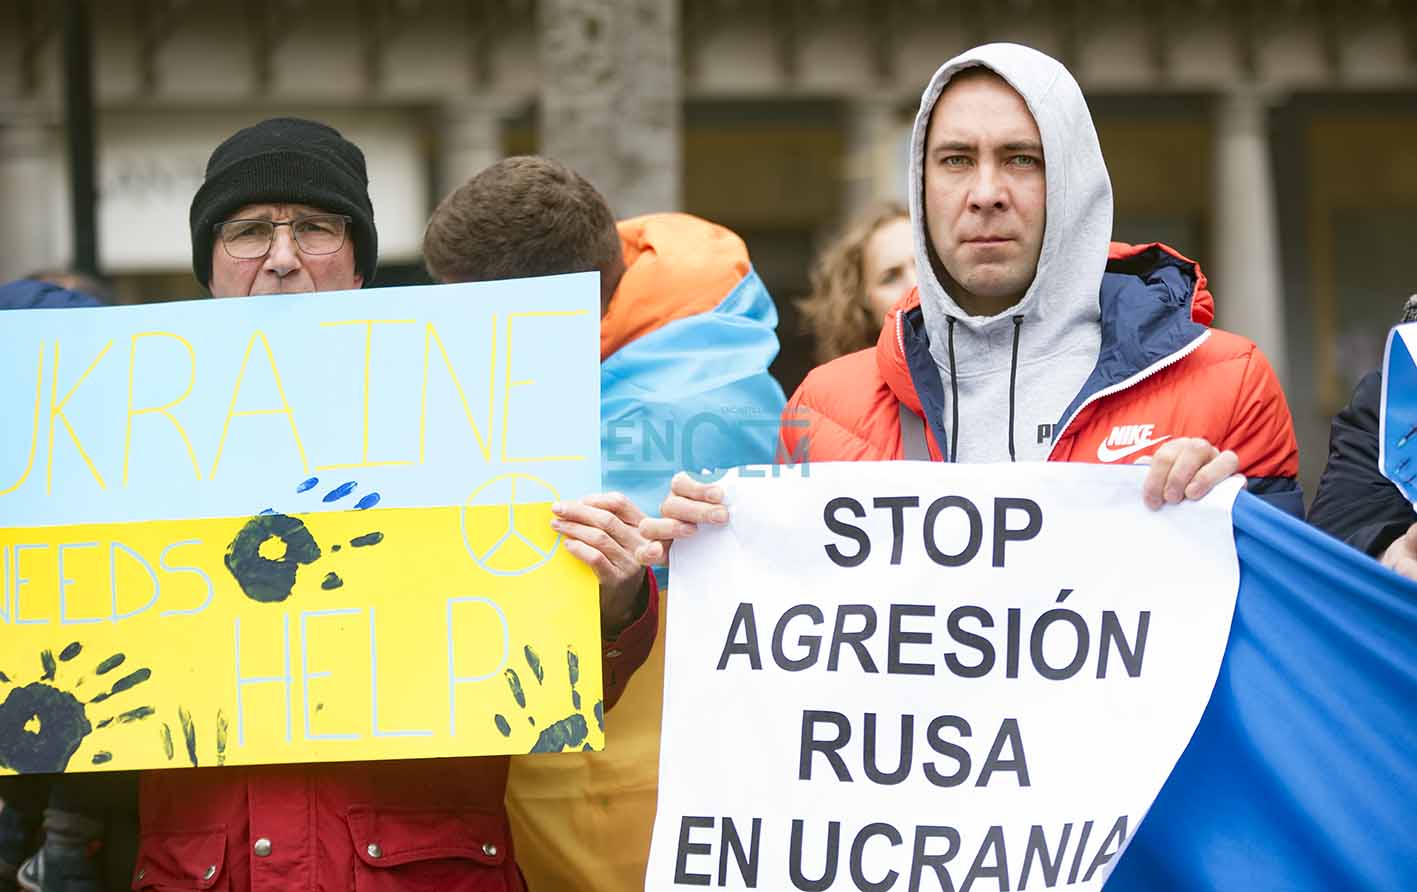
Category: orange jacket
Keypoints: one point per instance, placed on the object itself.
(1161, 373)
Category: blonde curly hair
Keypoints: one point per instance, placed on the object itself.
(837, 314)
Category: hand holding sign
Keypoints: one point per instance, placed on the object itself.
(602, 531)
(1401, 556)
(1185, 468)
(688, 504)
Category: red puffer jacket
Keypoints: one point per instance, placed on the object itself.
(1161, 373)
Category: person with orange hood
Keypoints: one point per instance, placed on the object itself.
(687, 334)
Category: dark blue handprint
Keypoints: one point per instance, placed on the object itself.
(269, 550)
(43, 723)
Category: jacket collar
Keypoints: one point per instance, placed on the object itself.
(1154, 303)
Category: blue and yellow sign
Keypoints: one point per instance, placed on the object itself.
(298, 528)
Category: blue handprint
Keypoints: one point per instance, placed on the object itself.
(569, 733)
(43, 723)
(270, 578)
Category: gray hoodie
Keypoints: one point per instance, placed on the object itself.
(1060, 331)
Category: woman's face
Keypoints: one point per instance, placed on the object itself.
(888, 265)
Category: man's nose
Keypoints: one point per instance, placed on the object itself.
(989, 189)
(284, 256)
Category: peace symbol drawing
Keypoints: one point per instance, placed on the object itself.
(506, 524)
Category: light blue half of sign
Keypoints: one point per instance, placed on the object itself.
(464, 383)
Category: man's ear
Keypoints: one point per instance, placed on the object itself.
(610, 283)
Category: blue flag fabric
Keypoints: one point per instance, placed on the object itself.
(694, 394)
(1302, 774)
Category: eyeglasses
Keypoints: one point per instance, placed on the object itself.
(315, 234)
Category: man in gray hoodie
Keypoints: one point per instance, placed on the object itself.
(1031, 335)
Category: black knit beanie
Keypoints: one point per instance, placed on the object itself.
(285, 160)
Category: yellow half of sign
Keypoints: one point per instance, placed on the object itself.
(349, 635)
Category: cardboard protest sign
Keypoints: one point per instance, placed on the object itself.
(927, 676)
(1397, 420)
(298, 528)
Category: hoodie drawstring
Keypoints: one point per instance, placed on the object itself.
(1013, 380)
(954, 391)
(954, 397)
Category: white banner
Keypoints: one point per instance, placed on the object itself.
(922, 676)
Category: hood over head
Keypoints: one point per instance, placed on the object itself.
(676, 265)
(1079, 193)
(1021, 366)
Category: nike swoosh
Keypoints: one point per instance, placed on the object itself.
(1104, 453)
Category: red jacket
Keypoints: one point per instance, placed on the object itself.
(1161, 373)
(433, 824)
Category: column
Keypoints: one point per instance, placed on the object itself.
(1246, 266)
(34, 229)
(469, 138)
(877, 153)
(611, 97)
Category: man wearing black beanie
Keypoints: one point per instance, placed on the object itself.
(284, 208)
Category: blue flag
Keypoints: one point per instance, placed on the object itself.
(1302, 774)
(693, 395)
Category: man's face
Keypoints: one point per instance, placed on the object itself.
(285, 268)
(985, 192)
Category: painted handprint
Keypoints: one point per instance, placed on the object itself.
(43, 723)
(569, 733)
(266, 556)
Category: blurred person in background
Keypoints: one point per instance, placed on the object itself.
(77, 283)
(857, 279)
(1354, 501)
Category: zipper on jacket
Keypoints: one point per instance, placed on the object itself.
(1129, 382)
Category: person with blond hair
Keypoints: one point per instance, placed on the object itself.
(856, 281)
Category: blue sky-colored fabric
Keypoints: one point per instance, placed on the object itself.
(505, 392)
(692, 395)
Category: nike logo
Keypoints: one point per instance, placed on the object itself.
(1128, 439)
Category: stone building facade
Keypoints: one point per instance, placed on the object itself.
(1274, 140)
